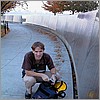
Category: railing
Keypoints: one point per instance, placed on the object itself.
(5, 26)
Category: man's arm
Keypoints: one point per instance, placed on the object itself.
(53, 75)
(53, 71)
(32, 73)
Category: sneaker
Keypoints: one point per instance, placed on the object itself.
(27, 95)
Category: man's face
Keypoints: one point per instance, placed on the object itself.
(38, 53)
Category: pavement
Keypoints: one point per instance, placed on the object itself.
(16, 44)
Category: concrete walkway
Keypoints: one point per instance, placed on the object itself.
(14, 46)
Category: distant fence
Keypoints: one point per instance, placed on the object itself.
(12, 18)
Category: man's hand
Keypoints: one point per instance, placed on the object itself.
(45, 77)
(53, 78)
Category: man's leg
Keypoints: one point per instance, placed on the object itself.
(29, 82)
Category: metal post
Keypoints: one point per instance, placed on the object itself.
(5, 27)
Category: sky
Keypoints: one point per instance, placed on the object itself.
(33, 7)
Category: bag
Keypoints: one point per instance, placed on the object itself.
(60, 86)
(48, 91)
(45, 91)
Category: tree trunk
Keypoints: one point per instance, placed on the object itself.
(73, 12)
(54, 14)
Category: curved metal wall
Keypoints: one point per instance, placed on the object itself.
(81, 31)
(82, 35)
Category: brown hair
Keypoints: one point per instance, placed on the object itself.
(37, 44)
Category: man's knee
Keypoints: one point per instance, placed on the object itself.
(29, 79)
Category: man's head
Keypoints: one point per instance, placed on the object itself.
(38, 50)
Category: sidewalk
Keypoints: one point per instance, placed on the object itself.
(14, 46)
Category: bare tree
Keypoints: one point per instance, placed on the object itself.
(7, 6)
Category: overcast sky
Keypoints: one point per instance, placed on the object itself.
(33, 6)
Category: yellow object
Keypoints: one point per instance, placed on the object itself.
(60, 86)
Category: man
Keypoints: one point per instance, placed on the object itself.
(34, 64)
